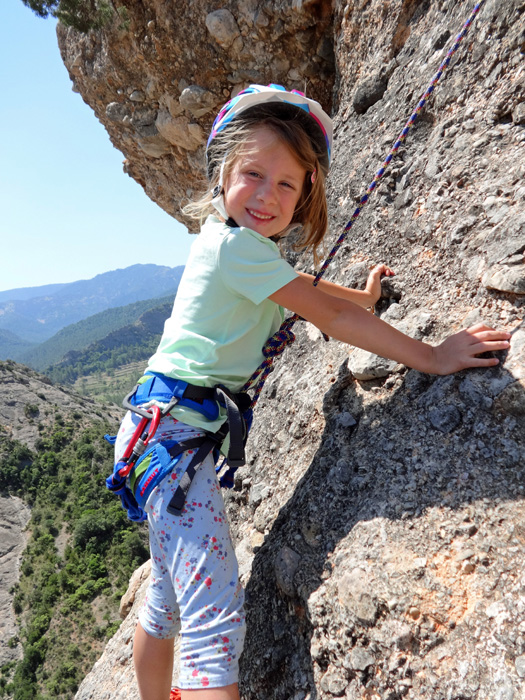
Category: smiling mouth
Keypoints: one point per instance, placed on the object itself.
(258, 215)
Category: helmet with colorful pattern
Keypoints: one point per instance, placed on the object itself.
(284, 104)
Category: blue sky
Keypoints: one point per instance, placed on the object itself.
(67, 209)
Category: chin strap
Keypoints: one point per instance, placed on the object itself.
(218, 193)
(218, 201)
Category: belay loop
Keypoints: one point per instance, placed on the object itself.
(258, 378)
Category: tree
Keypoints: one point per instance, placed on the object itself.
(82, 15)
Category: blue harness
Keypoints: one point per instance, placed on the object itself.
(142, 468)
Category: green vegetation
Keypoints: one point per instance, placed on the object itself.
(83, 15)
(113, 385)
(98, 359)
(80, 555)
(109, 368)
(63, 346)
(12, 345)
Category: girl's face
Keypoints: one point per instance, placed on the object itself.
(264, 185)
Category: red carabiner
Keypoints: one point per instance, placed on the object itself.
(142, 437)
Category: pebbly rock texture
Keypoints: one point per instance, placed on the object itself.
(399, 500)
(14, 516)
(379, 520)
(158, 75)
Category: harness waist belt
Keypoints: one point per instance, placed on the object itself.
(157, 387)
(145, 469)
(204, 400)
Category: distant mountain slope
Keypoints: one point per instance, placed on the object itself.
(80, 336)
(12, 346)
(132, 343)
(39, 318)
(30, 292)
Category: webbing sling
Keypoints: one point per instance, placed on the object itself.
(207, 444)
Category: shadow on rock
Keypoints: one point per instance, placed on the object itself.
(401, 547)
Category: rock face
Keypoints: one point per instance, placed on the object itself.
(379, 521)
(14, 515)
(30, 399)
(157, 76)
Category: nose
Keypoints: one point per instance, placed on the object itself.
(267, 191)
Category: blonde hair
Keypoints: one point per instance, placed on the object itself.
(238, 139)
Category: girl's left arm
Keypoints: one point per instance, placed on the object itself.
(342, 319)
(364, 298)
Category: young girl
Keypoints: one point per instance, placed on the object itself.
(268, 155)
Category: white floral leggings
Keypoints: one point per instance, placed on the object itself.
(194, 570)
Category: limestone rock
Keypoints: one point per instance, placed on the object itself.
(178, 62)
(369, 92)
(222, 26)
(135, 585)
(506, 279)
(365, 365)
(518, 113)
(14, 516)
(198, 100)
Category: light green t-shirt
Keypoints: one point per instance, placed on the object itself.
(222, 316)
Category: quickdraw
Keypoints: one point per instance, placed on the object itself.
(146, 429)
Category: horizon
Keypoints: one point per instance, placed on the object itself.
(84, 279)
(68, 210)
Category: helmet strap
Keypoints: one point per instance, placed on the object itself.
(218, 193)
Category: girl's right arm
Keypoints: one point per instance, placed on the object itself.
(345, 321)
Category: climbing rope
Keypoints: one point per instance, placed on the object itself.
(284, 336)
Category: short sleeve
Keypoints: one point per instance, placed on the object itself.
(251, 265)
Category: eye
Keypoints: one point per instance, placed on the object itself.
(288, 185)
(253, 173)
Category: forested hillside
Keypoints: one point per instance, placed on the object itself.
(73, 343)
(38, 318)
(108, 368)
(81, 549)
(12, 346)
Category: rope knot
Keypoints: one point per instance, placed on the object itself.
(276, 344)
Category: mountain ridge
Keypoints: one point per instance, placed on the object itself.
(37, 319)
(79, 337)
(22, 293)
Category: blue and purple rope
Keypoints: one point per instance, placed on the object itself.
(284, 336)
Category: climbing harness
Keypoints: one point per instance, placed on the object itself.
(141, 468)
(284, 336)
